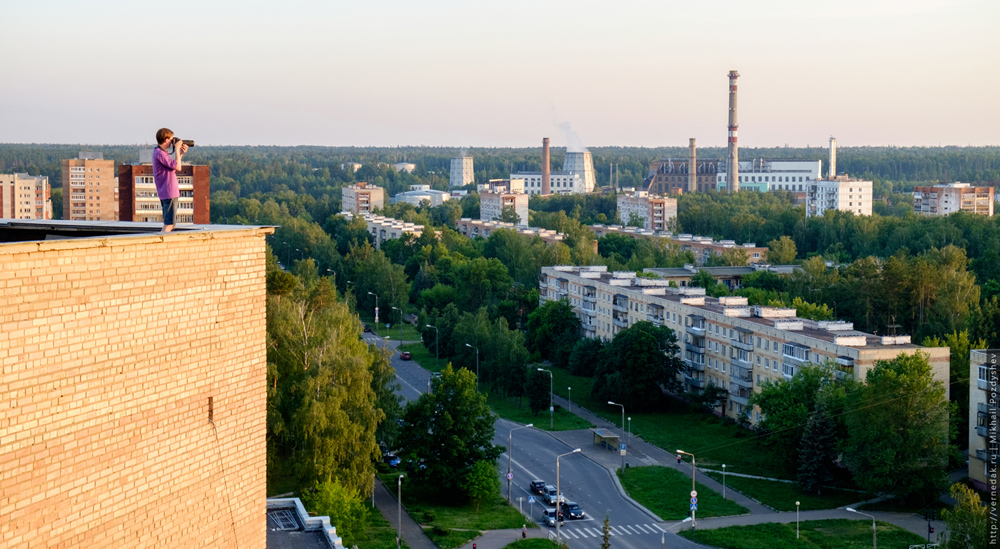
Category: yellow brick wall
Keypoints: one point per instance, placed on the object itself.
(109, 351)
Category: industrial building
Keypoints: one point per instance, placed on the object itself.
(24, 196)
(703, 247)
(951, 198)
(138, 200)
(576, 177)
(422, 193)
(984, 386)
(386, 228)
(462, 172)
(404, 167)
(657, 213)
(499, 194)
(133, 385)
(362, 198)
(724, 341)
(90, 188)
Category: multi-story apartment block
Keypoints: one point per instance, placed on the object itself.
(658, 213)
(462, 172)
(984, 423)
(90, 188)
(362, 198)
(133, 385)
(139, 202)
(24, 196)
(386, 228)
(953, 197)
(422, 193)
(499, 194)
(839, 193)
(703, 247)
(724, 341)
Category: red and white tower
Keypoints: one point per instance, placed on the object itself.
(733, 166)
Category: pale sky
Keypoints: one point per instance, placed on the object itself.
(500, 73)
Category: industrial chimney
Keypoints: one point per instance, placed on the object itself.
(733, 167)
(833, 159)
(546, 166)
(692, 167)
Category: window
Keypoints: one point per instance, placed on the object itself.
(788, 370)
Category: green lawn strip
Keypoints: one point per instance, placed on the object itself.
(423, 357)
(410, 332)
(491, 516)
(533, 543)
(450, 539)
(667, 492)
(782, 496)
(507, 408)
(378, 535)
(818, 534)
(893, 506)
(712, 442)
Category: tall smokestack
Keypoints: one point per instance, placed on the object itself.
(833, 158)
(692, 167)
(733, 167)
(546, 166)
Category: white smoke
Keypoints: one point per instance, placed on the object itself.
(573, 141)
(464, 152)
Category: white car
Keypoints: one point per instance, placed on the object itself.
(549, 517)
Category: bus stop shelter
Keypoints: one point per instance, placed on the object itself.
(607, 440)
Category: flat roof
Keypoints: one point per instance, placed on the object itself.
(33, 230)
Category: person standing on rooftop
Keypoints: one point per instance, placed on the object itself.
(165, 174)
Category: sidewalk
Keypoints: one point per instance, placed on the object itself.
(413, 534)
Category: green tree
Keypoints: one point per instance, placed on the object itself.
(586, 356)
(553, 330)
(344, 506)
(967, 520)
(385, 385)
(785, 408)
(482, 483)
(638, 362)
(959, 344)
(781, 251)
(537, 389)
(606, 532)
(449, 429)
(509, 215)
(897, 426)
(816, 451)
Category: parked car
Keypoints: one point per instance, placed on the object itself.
(549, 517)
(537, 487)
(391, 459)
(405, 355)
(572, 510)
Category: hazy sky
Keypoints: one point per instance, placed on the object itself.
(500, 73)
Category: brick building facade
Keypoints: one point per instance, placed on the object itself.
(133, 385)
(138, 200)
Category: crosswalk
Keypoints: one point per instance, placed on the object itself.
(616, 530)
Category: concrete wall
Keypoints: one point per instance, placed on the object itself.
(110, 349)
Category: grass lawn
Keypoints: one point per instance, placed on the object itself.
(783, 495)
(508, 408)
(667, 493)
(704, 435)
(893, 506)
(410, 332)
(815, 534)
(533, 543)
(423, 357)
(449, 539)
(280, 479)
(378, 535)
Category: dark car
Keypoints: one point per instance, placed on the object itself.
(405, 355)
(537, 486)
(391, 459)
(367, 328)
(572, 510)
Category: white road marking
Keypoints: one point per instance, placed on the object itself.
(622, 533)
(657, 526)
(634, 531)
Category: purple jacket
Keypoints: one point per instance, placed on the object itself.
(164, 175)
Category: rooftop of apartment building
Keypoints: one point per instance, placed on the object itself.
(836, 332)
(688, 270)
(684, 237)
(29, 230)
(290, 527)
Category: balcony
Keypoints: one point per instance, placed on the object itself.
(738, 399)
(589, 308)
(620, 303)
(695, 348)
(694, 382)
(983, 384)
(982, 455)
(589, 330)
(620, 322)
(657, 320)
(743, 382)
(589, 297)
(741, 345)
(983, 431)
(737, 361)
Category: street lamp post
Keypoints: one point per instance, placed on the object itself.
(376, 308)
(623, 426)
(477, 380)
(694, 520)
(559, 497)
(400, 324)
(569, 392)
(630, 430)
(552, 408)
(399, 513)
(796, 520)
(724, 482)
(510, 447)
(437, 338)
(874, 539)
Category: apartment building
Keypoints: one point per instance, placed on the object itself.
(703, 247)
(24, 196)
(657, 213)
(362, 198)
(839, 193)
(984, 423)
(951, 198)
(386, 228)
(499, 194)
(134, 401)
(90, 188)
(724, 341)
(139, 202)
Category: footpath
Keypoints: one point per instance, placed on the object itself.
(413, 534)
